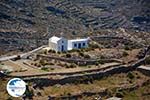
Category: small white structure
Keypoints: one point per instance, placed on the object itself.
(77, 43)
(58, 44)
(62, 44)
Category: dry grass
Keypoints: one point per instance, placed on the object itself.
(97, 85)
(3, 92)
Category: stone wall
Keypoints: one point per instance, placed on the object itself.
(77, 61)
(83, 78)
(145, 70)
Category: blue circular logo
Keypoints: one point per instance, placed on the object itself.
(16, 87)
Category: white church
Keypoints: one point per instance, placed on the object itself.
(62, 44)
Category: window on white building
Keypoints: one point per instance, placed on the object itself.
(75, 45)
(79, 45)
(83, 44)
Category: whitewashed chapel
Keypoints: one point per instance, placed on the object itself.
(62, 44)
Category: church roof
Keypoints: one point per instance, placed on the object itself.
(76, 40)
(54, 39)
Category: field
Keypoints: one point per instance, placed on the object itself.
(129, 86)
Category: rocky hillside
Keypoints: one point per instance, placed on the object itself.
(24, 21)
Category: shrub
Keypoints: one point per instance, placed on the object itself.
(52, 69)
(64, 52)
(39, 93)
(119, 94)
(59, 52)
(51, 63)
(50, 51)
(89, 66)
(43, 62)
(53, 51)
(81, 54)
(35, 64)
(74, 50)
(29, 93)
(97, 63)
(101, 62)
(69, 94)
(38, 65)
(82, 49)
(17, 58)
(44, 68)
(87, 56)
(87, 49)
(147, 60)
(45, 52)
(109, 92)
(130, 75)
(72, 65)
(9, 98)
(127, 48)
(94, 45)
(66, 65)
(68, 55)
(125, 54)
(102, 57)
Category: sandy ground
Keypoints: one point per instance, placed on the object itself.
(19, 68)
(33, 71)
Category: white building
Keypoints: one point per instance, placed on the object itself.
(58, 44)
(62, 44)
(77, 43)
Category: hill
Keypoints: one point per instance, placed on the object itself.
(32, 20)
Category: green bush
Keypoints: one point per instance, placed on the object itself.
(101, 62)
(43, 62)
(68, 55)
(9, 98)
(51, 63)
(97, 63)
(17, 58)
(102, 57)
(125, 54)
(45, 52)
(29, 93)
(74, 50)
(59, 52)
(130, 75)
(87, 56)
(72, 65)
(147, 60)
(51, 68)
(44, 68)
(51, 51)
(127, 48)
(88, 49)
(94, 45)
(89, 66)
(81, 54)
(64, 52)
(119, 94)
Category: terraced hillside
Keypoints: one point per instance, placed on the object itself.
(117, 13)
(26, 22)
